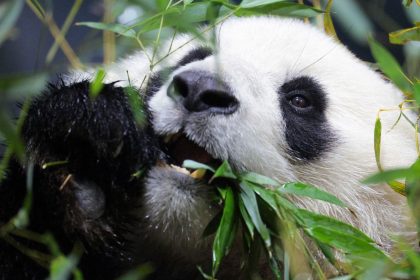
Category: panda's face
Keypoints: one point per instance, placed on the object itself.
(275, 96)
(254, 101)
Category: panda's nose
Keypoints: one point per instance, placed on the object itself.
(202, 92)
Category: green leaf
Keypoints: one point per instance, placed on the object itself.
(377, 142)
(258, 3)
(187, 2)
(310, 191)
(9, 13)
(266, 195)
(250, 202)
(62, 266)
(259, 179)
(389, 65)
(162, 4)
(120, 29)
(139, 273)
(389, 175)
(9, 131)
(26, 85)
(54, 164)
(280, 8)
(224, 171)
(405, 35)
(179, 17)
(246, 218)
(226, 231)
(97, 84)
(407, 3)
(416, 92)
(327, 251)
(136, 105)
(191, 164)
(310, 220)
(357, 248)
(328, 23)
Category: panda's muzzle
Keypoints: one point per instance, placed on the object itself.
(199, 91)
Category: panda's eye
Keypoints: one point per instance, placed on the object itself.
(299, 101)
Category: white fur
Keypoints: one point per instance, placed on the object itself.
(255, 56)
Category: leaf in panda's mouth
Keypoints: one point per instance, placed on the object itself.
(180, 148)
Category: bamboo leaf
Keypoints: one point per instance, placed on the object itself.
(416, 92)
(280, 8)
(410, 174)
(404, 36)
(225, 232)
(259, 3)
(136, 104)
(15, 87)
(310, 191)
(97, 84)
(359, 249)
(389, 65)
(259, 179)
(328, 23)
(246, 218)
(224, 171)
(377, 142)
(250, 202)
(9, 13)
(196, 165)
(388, 175)
(114, 27)
(139, 273)
(310, 220)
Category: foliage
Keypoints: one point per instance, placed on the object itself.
(251, 202)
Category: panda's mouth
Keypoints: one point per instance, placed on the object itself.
(180, 148)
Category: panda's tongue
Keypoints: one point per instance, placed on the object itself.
(182, 149)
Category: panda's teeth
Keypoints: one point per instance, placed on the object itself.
(181, 170)
(198, 174)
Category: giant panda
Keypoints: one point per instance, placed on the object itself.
(272, 95)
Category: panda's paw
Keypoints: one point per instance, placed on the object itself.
(86, 152)
(66, 124)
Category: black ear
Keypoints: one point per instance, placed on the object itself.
(92, 194)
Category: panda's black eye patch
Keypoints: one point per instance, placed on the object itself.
(304, 94)
(303, 103)
(195, 55)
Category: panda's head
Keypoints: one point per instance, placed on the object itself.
(277, 97)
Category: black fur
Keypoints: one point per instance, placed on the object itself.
(307, 131)
(103, 148)
(195, 55)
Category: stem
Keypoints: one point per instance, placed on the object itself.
(67, 23)
(108, 36)
(56, 33)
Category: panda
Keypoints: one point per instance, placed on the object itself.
(272, 95)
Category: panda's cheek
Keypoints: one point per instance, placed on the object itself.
(166, 117)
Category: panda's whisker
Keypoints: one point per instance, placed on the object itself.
(319, 59)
